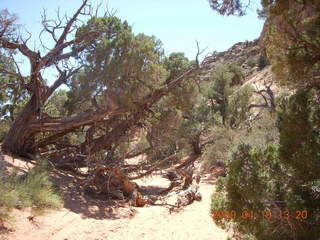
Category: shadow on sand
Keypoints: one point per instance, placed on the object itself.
(94, 205)
(89, 206)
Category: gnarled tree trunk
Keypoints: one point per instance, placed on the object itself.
(19, 139)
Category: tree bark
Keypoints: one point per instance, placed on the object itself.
(19, 139)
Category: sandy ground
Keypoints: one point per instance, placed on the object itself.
(86, 218)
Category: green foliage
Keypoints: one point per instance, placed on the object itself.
(34, 189)
(219, 202)
(299, 127)
(55, 106)
(292, 41)
(238, 75)
(130, 65)
(262, 62)
(176, 117)
(252, 62)
(230, 7)
(12, 96)
(4, 128)
(176, 64)
(230, 102)
(164, 142)
(220, 150)
(278, 178)
(238, 105)
(220, 91)
(258, 134)
(257, 181)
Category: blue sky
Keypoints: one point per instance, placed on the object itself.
(177, 23)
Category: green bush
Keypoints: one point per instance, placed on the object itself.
(238, 75)
(299, 125)
(262, 62)
(225, 95)
(257, 134)
(278, 178)
(33, 189)
(257, 181)
(238, 105)
(252, 62)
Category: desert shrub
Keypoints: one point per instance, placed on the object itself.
(241, 60)
(142, 143)
(225, 95)
(283, 94)
(33, 189)
(252, 62)
(238, 105)
(257, 134)
(238, 75)
(282, 179)
(220, 150)
(219, 202)
(299, 125)
(257, 181)
(263, 62)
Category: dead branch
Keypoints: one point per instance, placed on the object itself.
(154, 168)
(133, 154)
(268, 97)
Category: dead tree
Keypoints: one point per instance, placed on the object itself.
(267, 96)
(182, 175)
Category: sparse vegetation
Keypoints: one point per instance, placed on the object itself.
(263, 62)
(252, 62)
(125, 98)
(32, 189)
(281, 177)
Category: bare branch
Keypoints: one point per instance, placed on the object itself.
(47, 28)
(154, 168)
(269, 101)
(64, 76)
(199, 52)
(67, 28)
(22, 47)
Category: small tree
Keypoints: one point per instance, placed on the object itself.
(220, 92)
(231, 102)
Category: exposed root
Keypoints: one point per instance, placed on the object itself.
(112, 182)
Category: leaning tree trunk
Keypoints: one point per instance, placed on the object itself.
(20, 138)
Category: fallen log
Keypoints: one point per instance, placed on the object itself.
(184, 187)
